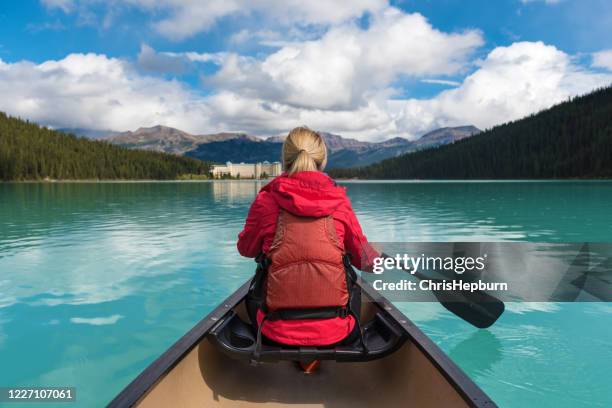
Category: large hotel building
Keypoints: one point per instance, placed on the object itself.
(247, 170)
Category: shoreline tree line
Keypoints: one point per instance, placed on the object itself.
(32, 152)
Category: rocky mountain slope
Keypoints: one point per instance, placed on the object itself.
(170, 140)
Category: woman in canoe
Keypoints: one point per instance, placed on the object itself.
(303, 231)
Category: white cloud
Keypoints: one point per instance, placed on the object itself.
(64, 5)
(216, 58)
(370, 121)
(94, 91)
(152, 61)
(241, 36)
(188, 17)
(603, 59)
(441, 82)
(343, 68)
(274, 38)
(512, 82)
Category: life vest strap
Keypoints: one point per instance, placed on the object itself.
(311, 313)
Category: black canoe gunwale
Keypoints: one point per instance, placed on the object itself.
(469, 391)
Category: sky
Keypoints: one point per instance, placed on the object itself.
(368, 69)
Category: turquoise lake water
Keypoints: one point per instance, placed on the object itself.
(98, 279)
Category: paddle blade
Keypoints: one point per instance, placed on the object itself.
(477, 308)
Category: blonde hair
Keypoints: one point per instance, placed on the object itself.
(304, 150)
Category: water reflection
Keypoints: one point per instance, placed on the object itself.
(483, 342)
(232, 191)
(90, 243)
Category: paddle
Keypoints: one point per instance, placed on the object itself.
(477, 308)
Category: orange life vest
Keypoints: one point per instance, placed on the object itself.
(306, 269)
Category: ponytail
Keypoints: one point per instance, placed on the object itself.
(303, 162)
(304, 150)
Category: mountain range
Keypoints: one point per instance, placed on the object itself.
(240, 147)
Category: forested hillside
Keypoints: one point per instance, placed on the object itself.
(569, 140)
(31, 152)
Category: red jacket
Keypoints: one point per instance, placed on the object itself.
(308, 193)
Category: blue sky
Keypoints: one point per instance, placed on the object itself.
(368, 69)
